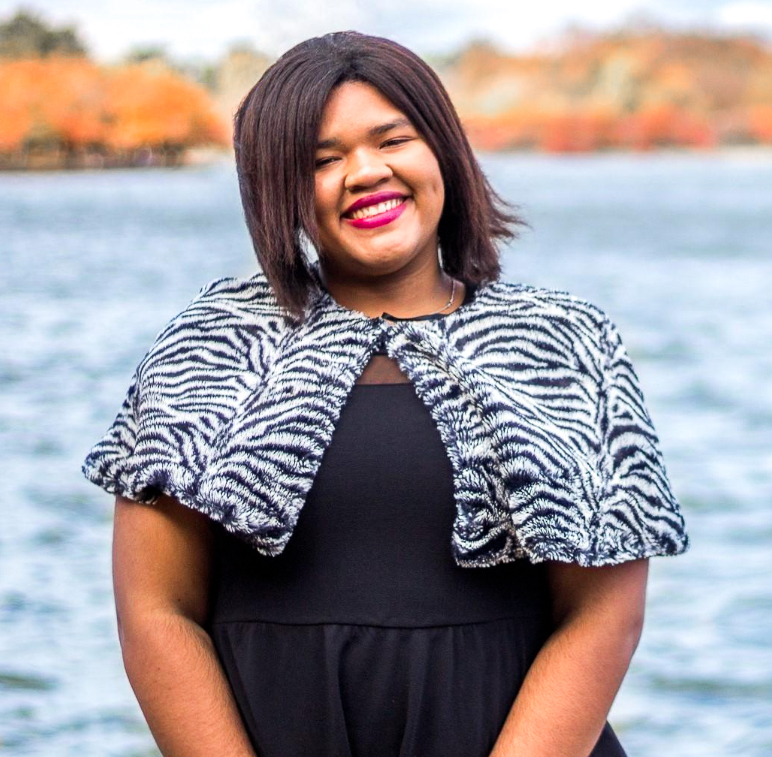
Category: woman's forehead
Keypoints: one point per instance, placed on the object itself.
(358, 105)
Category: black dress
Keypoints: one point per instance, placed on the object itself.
(364, 638)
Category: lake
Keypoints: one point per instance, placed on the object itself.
(676, 247)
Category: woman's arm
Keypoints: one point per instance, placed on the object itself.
(161, 570)
(566, 696)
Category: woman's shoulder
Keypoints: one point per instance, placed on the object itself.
(227, 302)
(524, 300)
(226, 314)
(251, 291)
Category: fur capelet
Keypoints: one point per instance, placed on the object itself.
(553, 452)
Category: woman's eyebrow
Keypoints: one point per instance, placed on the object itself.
(373, 131)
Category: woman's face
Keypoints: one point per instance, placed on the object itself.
(354, 164)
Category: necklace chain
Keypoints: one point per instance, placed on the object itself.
(450, 301)
(444, 307)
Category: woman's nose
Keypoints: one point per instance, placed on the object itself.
(366, 168)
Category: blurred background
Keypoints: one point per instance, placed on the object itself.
(636, 138)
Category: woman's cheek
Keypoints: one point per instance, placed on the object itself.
(327, 208)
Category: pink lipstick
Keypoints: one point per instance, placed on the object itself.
(380, 219)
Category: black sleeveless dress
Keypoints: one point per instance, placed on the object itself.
(364, 638)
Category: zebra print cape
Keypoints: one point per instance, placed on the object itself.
(553, 452)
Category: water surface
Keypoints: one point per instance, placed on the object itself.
(675, 247)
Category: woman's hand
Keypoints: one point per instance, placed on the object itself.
(563, 703)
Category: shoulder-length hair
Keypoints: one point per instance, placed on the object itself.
(275, 134)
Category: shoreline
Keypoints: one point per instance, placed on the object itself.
(205, 156)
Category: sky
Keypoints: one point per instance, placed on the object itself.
(204, 29)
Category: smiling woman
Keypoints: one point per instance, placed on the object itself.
(379, 196)
(340, 123)
(399, 506)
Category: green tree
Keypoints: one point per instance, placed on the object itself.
(141, 53)
(27, 35)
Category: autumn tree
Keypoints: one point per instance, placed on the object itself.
(64, 106)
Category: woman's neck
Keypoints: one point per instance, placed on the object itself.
(401, 295)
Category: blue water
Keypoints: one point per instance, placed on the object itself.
(675, 247)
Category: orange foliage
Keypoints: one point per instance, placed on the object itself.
(626, 91)
(153, 108)
(579, 131)
(594, 129)
(760, 121)
(664, 125)
(517, 130)
(73, 102)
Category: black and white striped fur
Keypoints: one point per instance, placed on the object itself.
(553, 451)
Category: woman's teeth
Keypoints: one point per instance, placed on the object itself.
(374, 210)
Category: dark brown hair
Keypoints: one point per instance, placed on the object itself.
(275, 133)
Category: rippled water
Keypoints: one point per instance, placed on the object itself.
(675, 247)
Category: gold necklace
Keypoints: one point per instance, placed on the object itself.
(450, 301)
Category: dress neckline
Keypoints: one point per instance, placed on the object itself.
(475, 297)
(383, 383)
(468, 297)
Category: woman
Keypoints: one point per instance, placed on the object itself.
(398, 506)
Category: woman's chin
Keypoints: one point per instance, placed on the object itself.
(379, 251)
(379, 262)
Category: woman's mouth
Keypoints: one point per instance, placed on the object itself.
(377, 215)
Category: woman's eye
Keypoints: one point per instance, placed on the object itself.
(397, 141)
